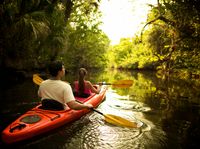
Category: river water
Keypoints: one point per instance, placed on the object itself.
(167, 110)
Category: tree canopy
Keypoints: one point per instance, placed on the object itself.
(168, 40)
(37, 31)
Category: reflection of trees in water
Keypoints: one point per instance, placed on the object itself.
(179, 105)
(174, 103)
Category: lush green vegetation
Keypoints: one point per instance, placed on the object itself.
(168, 41)
(131, 54)
(87, 43)
(37, 31)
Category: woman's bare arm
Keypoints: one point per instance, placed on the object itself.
(92, 88)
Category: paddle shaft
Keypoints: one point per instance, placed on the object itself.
(119, 83)
(91, 108)
(104, 83)
(96, 111)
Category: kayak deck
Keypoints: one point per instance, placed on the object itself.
(38, 121)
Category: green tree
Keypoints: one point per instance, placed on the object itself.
(30, 32)
(130, 53)
(87, 43)
(37, 31)
(174, 33)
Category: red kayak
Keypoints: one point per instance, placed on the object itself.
(38, 121)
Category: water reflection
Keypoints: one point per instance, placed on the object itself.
(167, 110)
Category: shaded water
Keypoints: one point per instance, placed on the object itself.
(168, 110)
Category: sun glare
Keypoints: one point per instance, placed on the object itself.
(123, 18)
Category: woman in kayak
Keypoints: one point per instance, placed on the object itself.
(57, 94)
(84, 88)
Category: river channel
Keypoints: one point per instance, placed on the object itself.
(167, 109)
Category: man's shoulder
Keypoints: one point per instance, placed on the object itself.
(64, 83)
(44, 82)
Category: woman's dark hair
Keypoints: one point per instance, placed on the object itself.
(82, 74)
(54, 67)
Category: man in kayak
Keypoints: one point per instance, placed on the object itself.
(57, 94)
(82, 87)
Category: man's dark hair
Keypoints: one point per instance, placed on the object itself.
(54, 67)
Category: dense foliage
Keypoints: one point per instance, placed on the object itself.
(176, 27)
(30, 32)
(131, 54)
(37, 31)
(87, 42)
(169, 40)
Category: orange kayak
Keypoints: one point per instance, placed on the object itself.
(38, 121)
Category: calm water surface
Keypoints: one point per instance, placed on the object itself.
(167, 109)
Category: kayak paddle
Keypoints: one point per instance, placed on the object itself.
(117, 120)
(120, 83)
(112, 119)
(36, 79)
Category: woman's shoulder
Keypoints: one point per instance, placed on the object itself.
(75, 82)
(88, 83)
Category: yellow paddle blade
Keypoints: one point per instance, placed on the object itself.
(37, 80)
(116, 120)
(123, 83)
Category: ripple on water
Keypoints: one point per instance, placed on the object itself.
(123, 102)
(94, 132)
(103, 135)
